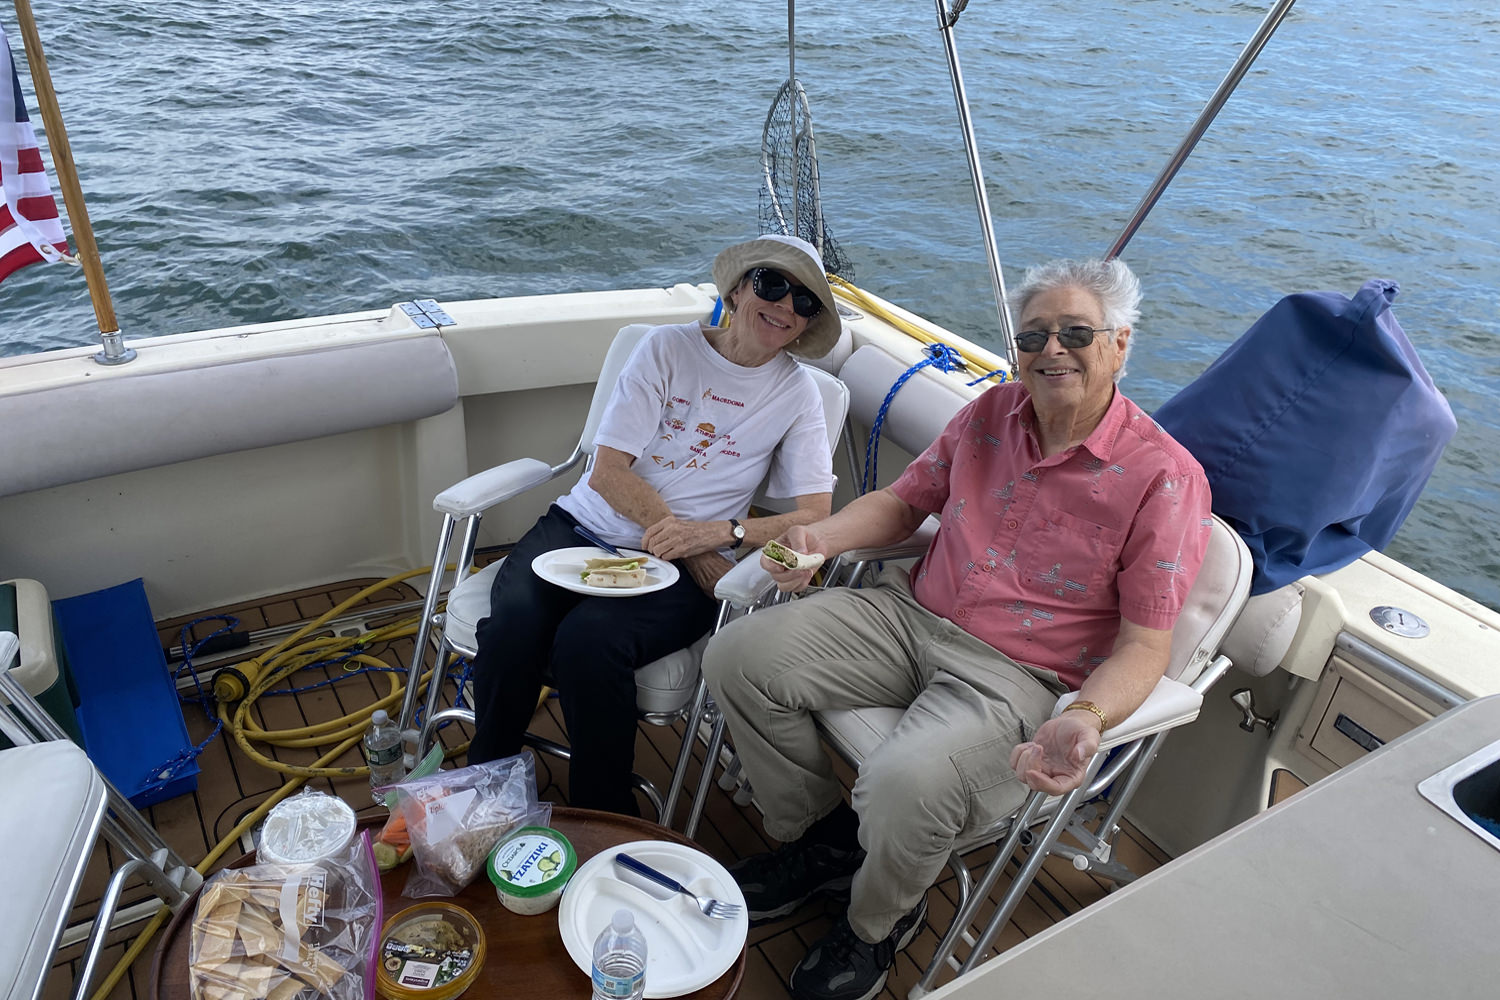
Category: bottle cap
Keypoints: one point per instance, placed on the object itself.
(380, 717)
(623, 921)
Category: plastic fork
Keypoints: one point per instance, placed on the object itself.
(716, 908)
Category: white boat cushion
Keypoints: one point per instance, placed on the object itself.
(920, 410)
(662, 686)
(53, 804)
(1258, 640)
(178, 414)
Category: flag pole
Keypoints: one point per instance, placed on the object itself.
(115, 352)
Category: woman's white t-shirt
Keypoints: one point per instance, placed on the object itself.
(705, 432)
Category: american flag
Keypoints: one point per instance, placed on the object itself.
(30, 230)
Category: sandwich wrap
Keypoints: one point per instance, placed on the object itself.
(614, 573)
(791, 558)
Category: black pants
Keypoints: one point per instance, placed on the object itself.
(589, 649)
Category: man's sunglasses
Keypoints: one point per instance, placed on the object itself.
(1072, 337)
(772, 286)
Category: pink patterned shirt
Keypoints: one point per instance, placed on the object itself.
(1041, 558)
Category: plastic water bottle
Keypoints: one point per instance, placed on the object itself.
(383, 752)
(620, 960)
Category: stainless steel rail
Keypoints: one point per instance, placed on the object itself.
(946, 20)
(1205, 118)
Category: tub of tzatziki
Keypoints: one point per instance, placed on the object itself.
(530, 868)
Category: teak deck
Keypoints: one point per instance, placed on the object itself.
(231, 784)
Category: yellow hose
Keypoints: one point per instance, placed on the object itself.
(977, 365)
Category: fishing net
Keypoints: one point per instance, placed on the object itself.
(790, 200)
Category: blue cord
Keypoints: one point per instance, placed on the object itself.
(172, 768)
(939, 356)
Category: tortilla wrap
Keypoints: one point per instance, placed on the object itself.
(791, 558)
(615, 577)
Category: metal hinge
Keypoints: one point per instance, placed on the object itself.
(426, 313)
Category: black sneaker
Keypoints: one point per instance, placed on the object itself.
(777, 883)
(842, 967)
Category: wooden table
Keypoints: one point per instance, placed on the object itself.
(525, 956)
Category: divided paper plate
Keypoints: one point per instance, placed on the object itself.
(685, 951)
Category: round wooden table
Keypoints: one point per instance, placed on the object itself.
(525, 956)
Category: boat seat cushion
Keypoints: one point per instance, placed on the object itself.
(1260, 637)
(182, 413)
(920, 410)
(661, 687)
(53, 804)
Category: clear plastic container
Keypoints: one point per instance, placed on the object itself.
(530, 868)
(309, 826)
(431, 951)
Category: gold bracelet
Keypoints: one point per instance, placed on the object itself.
(1089, 706)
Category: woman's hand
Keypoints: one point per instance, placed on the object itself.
(706, 569)
(673, 538)
(1058, 754)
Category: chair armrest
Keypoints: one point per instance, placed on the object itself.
(487, 488)
(744, 585)
(914, 545)
(1170, 704)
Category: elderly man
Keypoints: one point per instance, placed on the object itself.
(1072, 528)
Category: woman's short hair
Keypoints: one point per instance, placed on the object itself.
(1111, 282)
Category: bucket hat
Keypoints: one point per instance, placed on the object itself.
(799, 259)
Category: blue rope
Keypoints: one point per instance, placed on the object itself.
(171, 768)
(939, 356)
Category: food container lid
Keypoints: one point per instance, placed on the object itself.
(532, 861)
(431, 951)
(306, 827)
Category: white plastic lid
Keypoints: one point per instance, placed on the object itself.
(306, 827)
(623, 921)
(379, 717)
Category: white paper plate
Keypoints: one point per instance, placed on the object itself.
(685, 951)
(565, 566)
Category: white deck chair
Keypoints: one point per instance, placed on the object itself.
(56, 804)
(664, 687)
(1214, 602)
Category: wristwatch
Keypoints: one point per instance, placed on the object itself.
(738, 531)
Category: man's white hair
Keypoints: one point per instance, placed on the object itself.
(1111, 282)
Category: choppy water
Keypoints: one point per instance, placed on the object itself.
(253, 162)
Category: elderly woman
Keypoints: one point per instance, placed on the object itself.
(698, 418)
(1071, 529)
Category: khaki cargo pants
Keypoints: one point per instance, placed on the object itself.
(944, 771)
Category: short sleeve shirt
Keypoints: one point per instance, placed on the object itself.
(1041, 558)
(706, 433)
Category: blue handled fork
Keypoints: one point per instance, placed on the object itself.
(716, 908)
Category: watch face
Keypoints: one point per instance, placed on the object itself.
(739, 531)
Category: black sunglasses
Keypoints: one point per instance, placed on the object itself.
(772, 286)
(1072, 337)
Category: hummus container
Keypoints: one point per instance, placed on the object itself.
(431, 951)
(306, 827)
(530, 868)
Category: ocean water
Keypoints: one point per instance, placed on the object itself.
(254, 162)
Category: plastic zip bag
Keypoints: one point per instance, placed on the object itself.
(289, 931)
(455, 818)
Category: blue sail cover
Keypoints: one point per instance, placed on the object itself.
(1317, 428)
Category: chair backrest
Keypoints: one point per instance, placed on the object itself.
(835, 407)
(609, 374)
(1213, 603)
